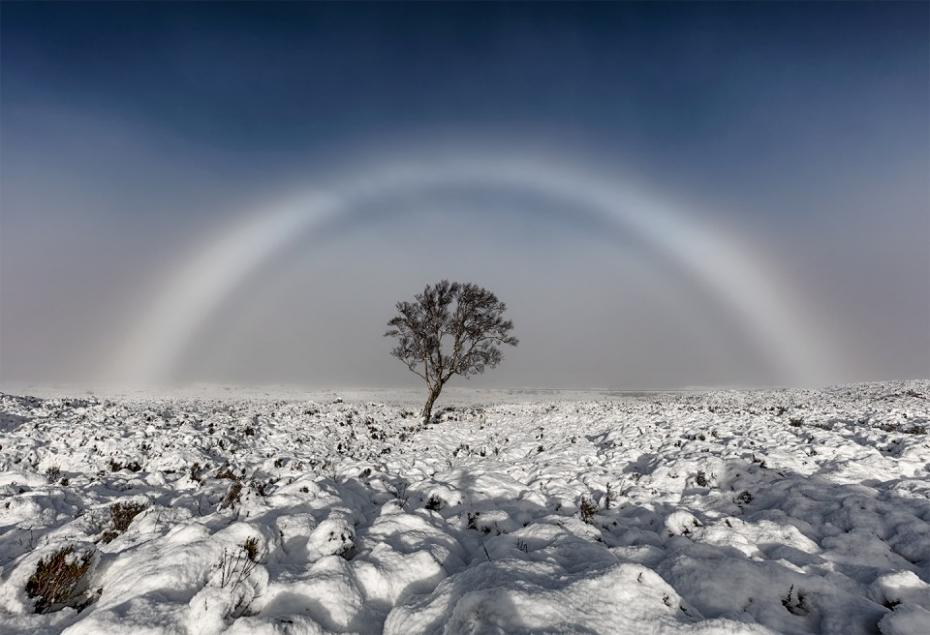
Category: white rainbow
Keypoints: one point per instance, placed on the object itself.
(739, 280)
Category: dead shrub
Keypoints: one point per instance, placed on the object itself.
(121, 514)
(251, 548)
(116, 466)
(196, 472)
(233, 494)
(796, 602)
(109, 536)
(53, 474)
(227, 473)
(234, 567)
(587, 509)
(701, 479)
(58, 580)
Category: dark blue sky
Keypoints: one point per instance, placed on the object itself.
(806, 123)
(681, 84)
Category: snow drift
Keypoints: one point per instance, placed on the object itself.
(722, 512)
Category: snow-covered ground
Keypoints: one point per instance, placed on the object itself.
(717, 512)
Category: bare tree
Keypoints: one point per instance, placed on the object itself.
(449, 329)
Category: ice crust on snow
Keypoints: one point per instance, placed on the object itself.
(785, 511)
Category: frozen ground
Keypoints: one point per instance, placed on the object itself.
(719, 512)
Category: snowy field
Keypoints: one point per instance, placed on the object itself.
(717, 512)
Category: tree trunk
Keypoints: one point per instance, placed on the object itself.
(430, 400)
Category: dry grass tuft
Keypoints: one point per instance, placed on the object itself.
(57, 581)
(251, 548)
(233, 494)
(122, 514)
(587, 509)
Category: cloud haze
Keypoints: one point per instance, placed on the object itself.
(134, 137)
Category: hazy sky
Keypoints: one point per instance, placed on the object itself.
(134, 136)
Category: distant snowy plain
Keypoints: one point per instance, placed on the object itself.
(716, 512)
